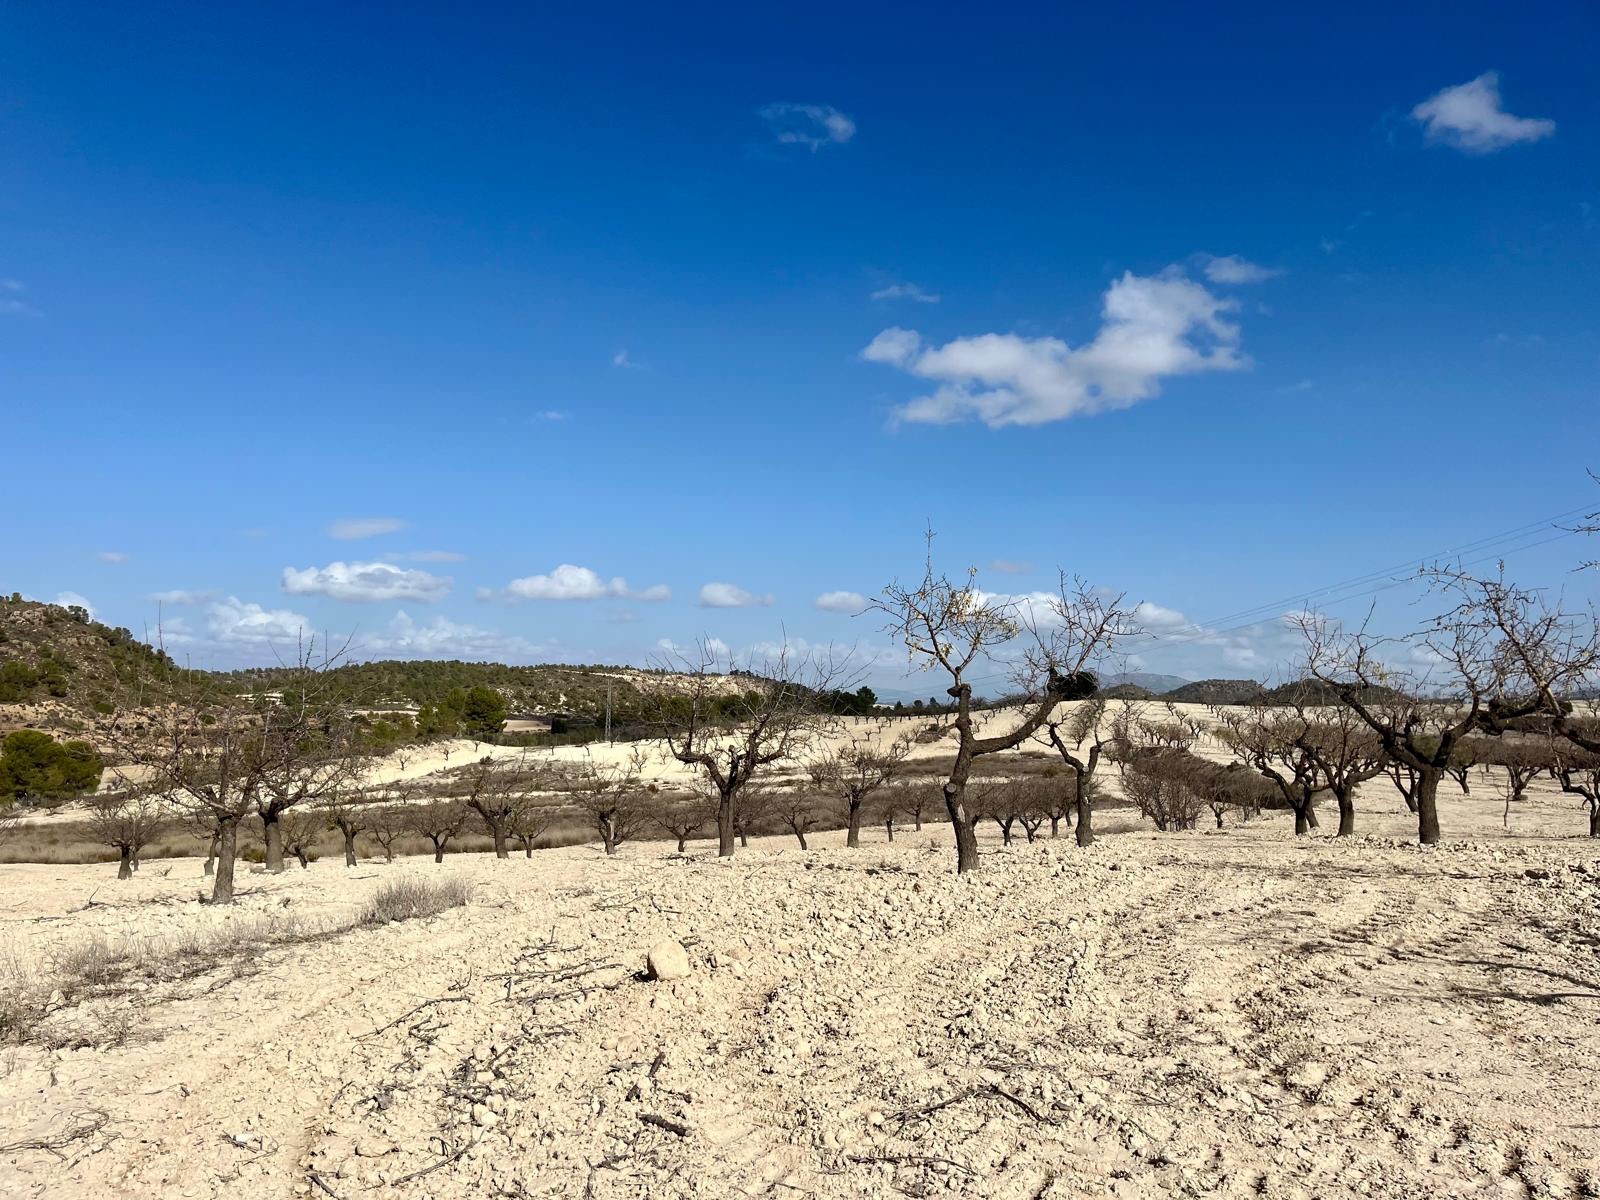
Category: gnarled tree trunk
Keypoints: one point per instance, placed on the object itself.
(274, 841)
(227, 851)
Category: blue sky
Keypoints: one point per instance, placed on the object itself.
(1214, 309)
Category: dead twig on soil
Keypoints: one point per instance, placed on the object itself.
(443, 1162)
(88, 1122)
(992, 1090)
(911, 1160)
(409, 1013)
(667, 1123)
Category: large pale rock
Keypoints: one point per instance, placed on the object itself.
(668, 960)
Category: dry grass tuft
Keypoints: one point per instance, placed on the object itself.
(409, 899)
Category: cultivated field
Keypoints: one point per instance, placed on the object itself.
(1232, 1012)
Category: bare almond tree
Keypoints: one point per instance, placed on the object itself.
(529, 823)
(1345, 753)
(800, 811)
(1085, 627)
(299, 829)
(734, 721)
(127, 823)
(615, 796)
(386, 825)
(957, 629)
(498, 791)
(852, 772)
(439, 822)
(682, 816)
(1499, 657)
(351, 812)
(211, 754)
(1578, 772)
(1274, 741)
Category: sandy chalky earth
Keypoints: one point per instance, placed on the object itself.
(1212, 1014)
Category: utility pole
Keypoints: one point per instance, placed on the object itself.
(608, 714)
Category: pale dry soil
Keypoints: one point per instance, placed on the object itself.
(1204, 1014)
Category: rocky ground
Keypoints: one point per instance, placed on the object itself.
(1220, 1013)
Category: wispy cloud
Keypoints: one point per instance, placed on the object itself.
(1230, 268)
(1470, 117)
(1007, 566)
(906, 291)
(113, 556)
(425, 556)
(350, 529)
(621, 359)
(182, 596)
(362, 582)
(12, 301)
(730, 595)
(1154, 327)
(811, 125)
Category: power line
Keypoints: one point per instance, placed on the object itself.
(1410, 564)
(1382, 579)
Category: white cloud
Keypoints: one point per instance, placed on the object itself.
(1154, 327)
(426, 556)
(441, 637)
(566, 582)
(1230, 268)
(553, 414)
(74, 600)
(113, 556)
(349, 529)
(569, 582)
(365, 581)
(1007, 567)
(238, 621)
(1153, 617)
(1037, 609)
(1470, 118)
(728, 595)
(842, 602)
(181, 596)
(621, 359)
(810, 125)
(906, 291)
